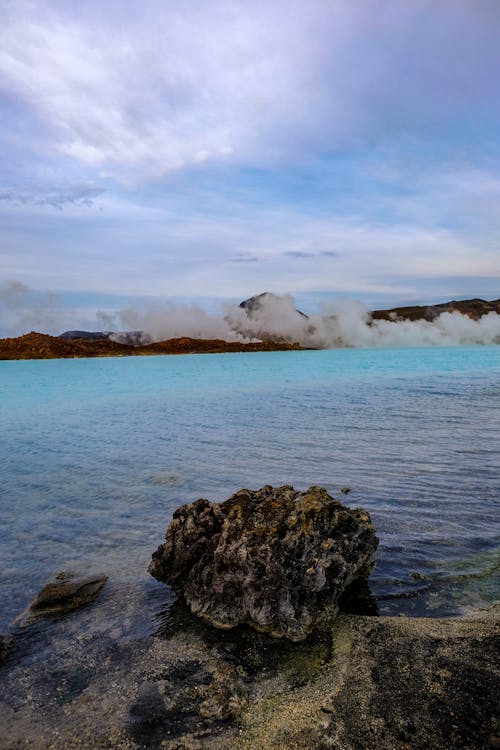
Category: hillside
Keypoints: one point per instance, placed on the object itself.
(42, 346)
(474, 308)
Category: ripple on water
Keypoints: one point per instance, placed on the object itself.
(96, 456)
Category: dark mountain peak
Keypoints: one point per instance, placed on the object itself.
(253, 304)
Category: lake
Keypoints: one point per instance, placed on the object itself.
(97, 454)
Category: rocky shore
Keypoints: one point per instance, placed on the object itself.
(367, 682)
(102, 667)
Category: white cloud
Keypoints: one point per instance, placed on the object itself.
(143, 92)
(129, 92)
(236, 249)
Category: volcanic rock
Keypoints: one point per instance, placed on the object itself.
(276, 559)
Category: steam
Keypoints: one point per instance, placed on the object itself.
(23, 308)
(171, 321)
(344, 323)
(349, 324)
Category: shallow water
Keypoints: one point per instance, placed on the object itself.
(97, 453)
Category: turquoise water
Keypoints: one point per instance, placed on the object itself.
(97, 453)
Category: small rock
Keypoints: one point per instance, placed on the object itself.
(227, 695)
(64, 594)
(6, 646)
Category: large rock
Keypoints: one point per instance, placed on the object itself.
(276, 559)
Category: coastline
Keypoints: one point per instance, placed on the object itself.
(42, 346)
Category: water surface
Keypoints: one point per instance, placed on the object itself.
(97, 453)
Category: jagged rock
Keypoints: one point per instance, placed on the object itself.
(276, 559)
(64, 594)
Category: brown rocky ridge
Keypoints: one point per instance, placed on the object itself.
(42, 346)
(473, 308)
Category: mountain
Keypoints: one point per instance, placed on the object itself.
(253, 305)
(473, 308)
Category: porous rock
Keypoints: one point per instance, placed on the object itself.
(276, 559)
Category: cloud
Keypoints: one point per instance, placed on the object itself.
(76, 195)
(188, 248)
(143, 94)
(23, 309)
(241, 145)
(244, 259)
(305, 254)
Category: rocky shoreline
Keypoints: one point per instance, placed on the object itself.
(94, 666)
(391, 683)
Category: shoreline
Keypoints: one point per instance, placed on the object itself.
(42, 346)
(393, 683)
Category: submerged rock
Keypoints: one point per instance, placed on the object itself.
(6, 646)
(275, 559)
(64, 594)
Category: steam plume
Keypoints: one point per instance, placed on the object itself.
(23, 308)
(344, 323)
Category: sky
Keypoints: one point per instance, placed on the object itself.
(204, 150)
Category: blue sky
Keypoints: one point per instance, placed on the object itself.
(206, 150)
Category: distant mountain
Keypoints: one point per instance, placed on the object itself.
(473, 308)
(132, 338)
(85, 335)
